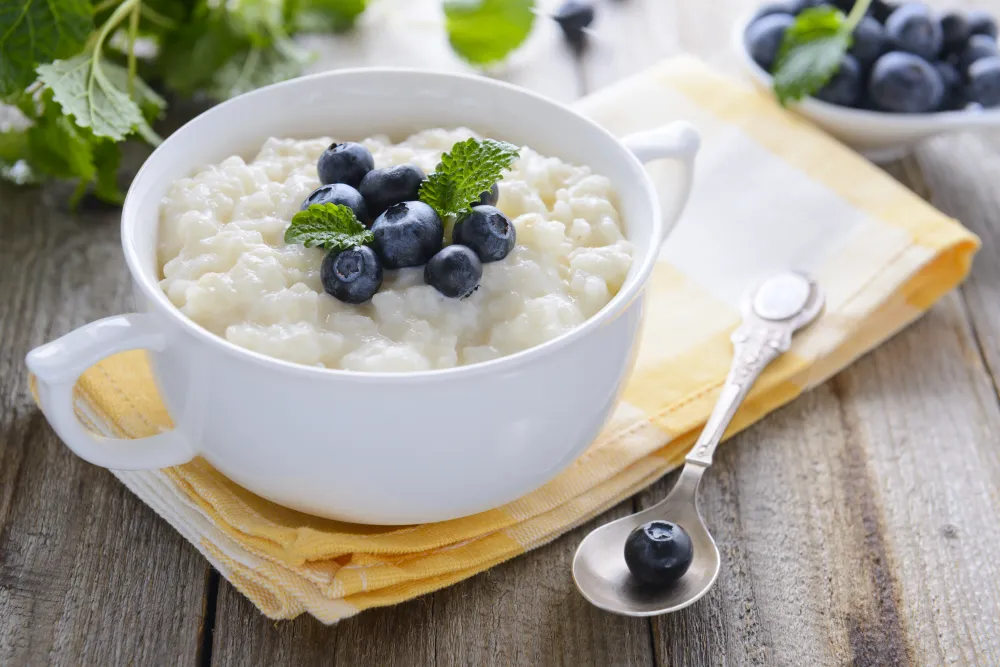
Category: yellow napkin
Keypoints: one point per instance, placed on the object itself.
(771, 192)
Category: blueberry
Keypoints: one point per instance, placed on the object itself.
(981, 23)
(344, 163)
(573, 16)
(905, 83)
(455, 271)
(978, 46)
(774, 8)
(954, 87)
(843, 5)
(490, 197)
(382, 188)
(764, 37)
(658, 552)
(353, 275)
(882, 10)
(338, 193)
(869, 41)
(487, 231)
(912, 28)
(955, 31)
(845, 86)
(984, 82)
(407, 234)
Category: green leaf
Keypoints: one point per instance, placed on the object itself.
(192, 56)
(107, 157)
(328, 15)
(332, 226)
(485, 31)
(38, 31)
(83, 89)
(470, 168)
(59, 148)
(258, 20)
(13, 146)
(811, 52)
(149, 101)
(256, 67)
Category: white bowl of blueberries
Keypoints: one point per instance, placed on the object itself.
(904, 75)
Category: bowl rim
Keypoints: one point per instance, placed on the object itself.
(812, 105)
(157, 298)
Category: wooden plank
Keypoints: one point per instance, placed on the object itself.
(961, 175)
(524, 612)
(858, 525)
(88, 574)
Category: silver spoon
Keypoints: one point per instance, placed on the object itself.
(780, 306)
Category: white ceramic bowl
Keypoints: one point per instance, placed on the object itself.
(880, 136)
(392, 448)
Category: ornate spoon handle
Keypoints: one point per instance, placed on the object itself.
(778, 308)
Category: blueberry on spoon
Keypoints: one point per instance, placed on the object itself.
(487, 231)
(345, 163)
(353, 275)
(659, 552)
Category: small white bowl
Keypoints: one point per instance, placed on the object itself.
(382, 448)
(879, 136)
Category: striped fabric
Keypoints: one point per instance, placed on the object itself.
(771, 192)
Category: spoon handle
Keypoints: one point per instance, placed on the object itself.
(771, 314)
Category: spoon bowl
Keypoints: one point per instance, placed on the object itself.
(603, 578)
(781, 305)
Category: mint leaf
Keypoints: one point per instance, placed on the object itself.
(191, 57)
(485, 31)
(470, 168)
(38, 31)
(811, 52)
(59, 148)
(107, 157)
(333, 226)
(83, 89)
(328, 15)
(256, 67)
(13, 146)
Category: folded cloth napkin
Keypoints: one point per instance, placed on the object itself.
(771, 192)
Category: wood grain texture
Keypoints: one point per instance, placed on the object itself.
(88, 574)
(858, 525)
(523, 612)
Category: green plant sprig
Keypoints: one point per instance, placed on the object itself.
(81, 84)
(812, 49)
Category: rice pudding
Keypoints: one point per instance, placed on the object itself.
(224, 263)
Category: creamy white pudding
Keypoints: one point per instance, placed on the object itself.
(225, 265)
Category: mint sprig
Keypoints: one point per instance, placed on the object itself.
(332, 226)
(812, 49)
(470, 168)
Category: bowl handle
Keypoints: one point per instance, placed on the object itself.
(57, 366)
(677, 141)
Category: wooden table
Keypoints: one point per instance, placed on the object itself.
(859, 525)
